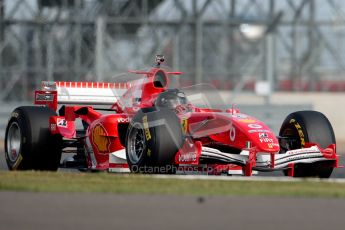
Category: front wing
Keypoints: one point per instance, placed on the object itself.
(245, 163)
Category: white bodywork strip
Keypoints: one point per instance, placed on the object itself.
(98, 96)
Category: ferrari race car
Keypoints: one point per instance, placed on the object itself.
(147, 126)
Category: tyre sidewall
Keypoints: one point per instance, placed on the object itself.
(163, 137)
(24, 161)
(311, 126)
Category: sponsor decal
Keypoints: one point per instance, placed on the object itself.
(184, 123)
(44, 97)
(248, 121)
(149, 152)
(100, 139)
(254, 126)
(263, 135)
(266, 140)
(187, 157)
(306, 150)
(299, 130)
(61, 122)
(258, 131)
(15, 115)
(232, 133)
(19, 159)
(146, 128)
(123, 120)
(272, 145)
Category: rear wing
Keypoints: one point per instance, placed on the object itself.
(79, 93)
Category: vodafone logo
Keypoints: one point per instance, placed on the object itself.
(254, 126)
(123, 120)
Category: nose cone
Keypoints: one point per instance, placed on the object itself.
(266, 142)
(259, 134)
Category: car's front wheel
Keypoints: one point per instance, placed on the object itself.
(153, 139)
(308, 126)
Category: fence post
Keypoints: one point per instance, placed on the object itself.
(100, 29)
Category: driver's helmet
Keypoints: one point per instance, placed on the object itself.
(172, 98)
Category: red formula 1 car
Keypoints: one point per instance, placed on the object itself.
(150, 127)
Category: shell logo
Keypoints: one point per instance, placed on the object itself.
(99, 139)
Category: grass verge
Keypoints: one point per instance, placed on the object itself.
(140, 184)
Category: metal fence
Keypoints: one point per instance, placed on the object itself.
(229, 43)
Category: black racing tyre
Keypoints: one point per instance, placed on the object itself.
(29, 145)
(153, 138)
(309, 126)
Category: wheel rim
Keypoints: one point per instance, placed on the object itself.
(136, 144)
(13, 142)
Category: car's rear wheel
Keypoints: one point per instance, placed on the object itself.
(29, 145)
(153, 139)
(308, 126)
